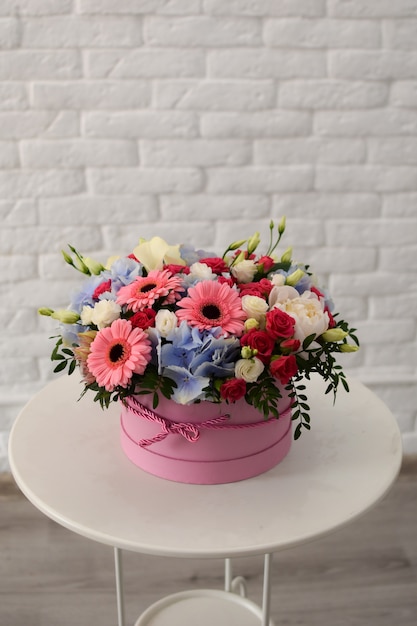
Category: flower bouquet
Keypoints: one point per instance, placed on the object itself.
(198, 345)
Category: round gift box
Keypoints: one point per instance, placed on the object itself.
(204, 443)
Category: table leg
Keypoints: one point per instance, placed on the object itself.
(266, 598)
(119, 587)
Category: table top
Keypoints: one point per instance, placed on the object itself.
(66, 457)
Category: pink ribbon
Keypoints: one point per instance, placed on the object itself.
(188, 430)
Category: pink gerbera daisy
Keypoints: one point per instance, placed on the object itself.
(210, 304)
(117, 352)
(145, 290)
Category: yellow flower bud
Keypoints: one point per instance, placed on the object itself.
(65, 316)
(294, 278)
(67, 258)
(348, 347)
(253, 242)
(237, 244)
(281, 225)
(334, 334)
(247, 352)
(286, 257)
(94, 266)
(250, 323)
(44, 311)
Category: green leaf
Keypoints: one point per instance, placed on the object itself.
(61, 366)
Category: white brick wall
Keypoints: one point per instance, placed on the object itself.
(201, 120)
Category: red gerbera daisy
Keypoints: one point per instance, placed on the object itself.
(210, 304)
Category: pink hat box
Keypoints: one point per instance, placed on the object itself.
(204, 443)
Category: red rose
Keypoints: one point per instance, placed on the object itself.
(279, 324)
(233, 389)
(143, 319)
(177, 269)
(284, 368)
(332, 321)
(267, 262)
(217, 265)
(102, 288)
(262, 288)
(318, 293)
(290, 345)
(228, 281)
(261, 341)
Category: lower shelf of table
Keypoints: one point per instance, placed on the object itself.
(204, 607)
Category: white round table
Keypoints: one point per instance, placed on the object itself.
(66, 457)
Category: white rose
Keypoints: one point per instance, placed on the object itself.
(249, 369)
(105, 312)
(254, 307)
(87, 315)
(278, 280)
(165, 322)
(201, 271)
(309, 314)
(244, 271)
(280, 294)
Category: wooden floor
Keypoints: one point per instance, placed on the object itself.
(362, 575)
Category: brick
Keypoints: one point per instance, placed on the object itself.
(259, 179)
(39, 240)
(379, 356)
(91, 95)
(256, 124)
(325, 260)
(25, 124)
(77, 153)
(9, 33)
(376, 331)
(214, 95)
(397, 258)
(18, 212)
(202, 31)
(129, 181)
(399, 205)
(195, 152)
(40, 64)
(351, 308)
(283, 8)
(306, 150)
(143, 124)
(9, 155)
(394, 150)
(63, 124)
(14, 268)
(404, 93)
(371, 232)
(170, 7)
(322, 33)
(174, 232)
(23, 369)
(332, 94)
(262, 63)
(400, 34)
(399, 306)
(35, 183)
(95, 210)
(387, 121)
(372, 8)
(35, 7)
(13, 96)
(370, 284)
(146, 63)
(366, 178)
(76, 31)
(180, 207)
(372, 65)
(324, 206)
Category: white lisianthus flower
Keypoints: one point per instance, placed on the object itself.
(87, 315)
(249, 369)
(155, 252)
(201, 271)
(254, 307)
(278, 280)
(105, 312)
(165, 322)
(309, 314)
(280, 294)
(244, 271)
